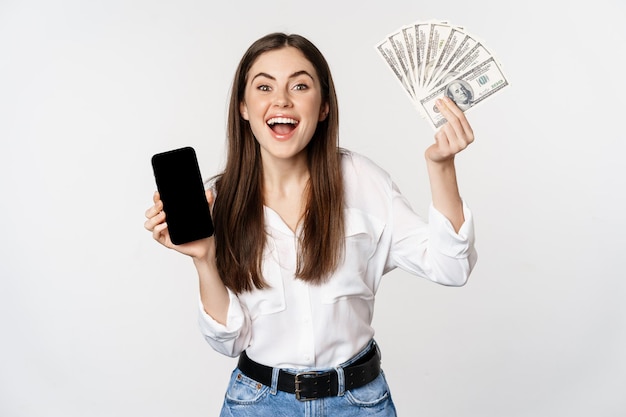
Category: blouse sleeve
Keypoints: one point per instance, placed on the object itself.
(432, 250)
(230, 339)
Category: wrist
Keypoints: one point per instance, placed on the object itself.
(445, 165)
(204, 262)
(434, 154)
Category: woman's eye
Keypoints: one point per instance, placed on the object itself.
(300, 87)
(264, 87)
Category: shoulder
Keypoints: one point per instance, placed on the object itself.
(364, 180)
(211, 184)
(356, 163)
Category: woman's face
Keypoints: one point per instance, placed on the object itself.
(283, 103)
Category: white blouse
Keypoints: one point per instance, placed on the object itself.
(293, 324)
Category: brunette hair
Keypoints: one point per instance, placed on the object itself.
(238, 211)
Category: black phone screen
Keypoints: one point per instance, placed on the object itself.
(180, 185)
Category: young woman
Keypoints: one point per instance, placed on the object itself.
(304, 232)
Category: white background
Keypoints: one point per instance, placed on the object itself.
(97, 319)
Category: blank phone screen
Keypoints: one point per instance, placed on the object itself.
(180, 185)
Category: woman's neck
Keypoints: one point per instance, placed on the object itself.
(284, 189)
(284, 176)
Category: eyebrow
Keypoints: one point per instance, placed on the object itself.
(294, 75)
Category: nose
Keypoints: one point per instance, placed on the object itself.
(281, 98)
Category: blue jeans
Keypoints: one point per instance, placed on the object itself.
(248, 398)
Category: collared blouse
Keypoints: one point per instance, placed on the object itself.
(294, 324)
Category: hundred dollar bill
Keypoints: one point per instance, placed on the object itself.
(466, 44)
(474, 56)
(400, 49)
(385, 49)
(469, 89)
(433, 58)
(421, 39)
(439, 33)
(452, 43)
(408, 32)
(434, 42)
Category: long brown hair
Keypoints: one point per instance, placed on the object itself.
(238, 211)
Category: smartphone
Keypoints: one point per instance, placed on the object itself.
(180, 185)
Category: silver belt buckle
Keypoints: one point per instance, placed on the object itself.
(297, 381)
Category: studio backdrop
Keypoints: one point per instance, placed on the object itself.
(97, 319)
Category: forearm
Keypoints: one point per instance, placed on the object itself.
(454, 136)
(445, 191)
(213, 293)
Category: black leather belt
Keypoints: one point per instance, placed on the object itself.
(312, 385)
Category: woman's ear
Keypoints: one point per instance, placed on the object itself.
(324, 112)
(243, 110)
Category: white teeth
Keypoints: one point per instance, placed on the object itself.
(281, 120)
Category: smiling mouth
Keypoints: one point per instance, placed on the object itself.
(282, 125)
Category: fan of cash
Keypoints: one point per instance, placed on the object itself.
(432, 59)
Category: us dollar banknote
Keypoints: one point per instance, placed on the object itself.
(385, 50)
(470, 88)
(432, 58)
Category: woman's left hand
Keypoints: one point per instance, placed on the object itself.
(453, 136)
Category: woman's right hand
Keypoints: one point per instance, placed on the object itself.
(203, 249)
